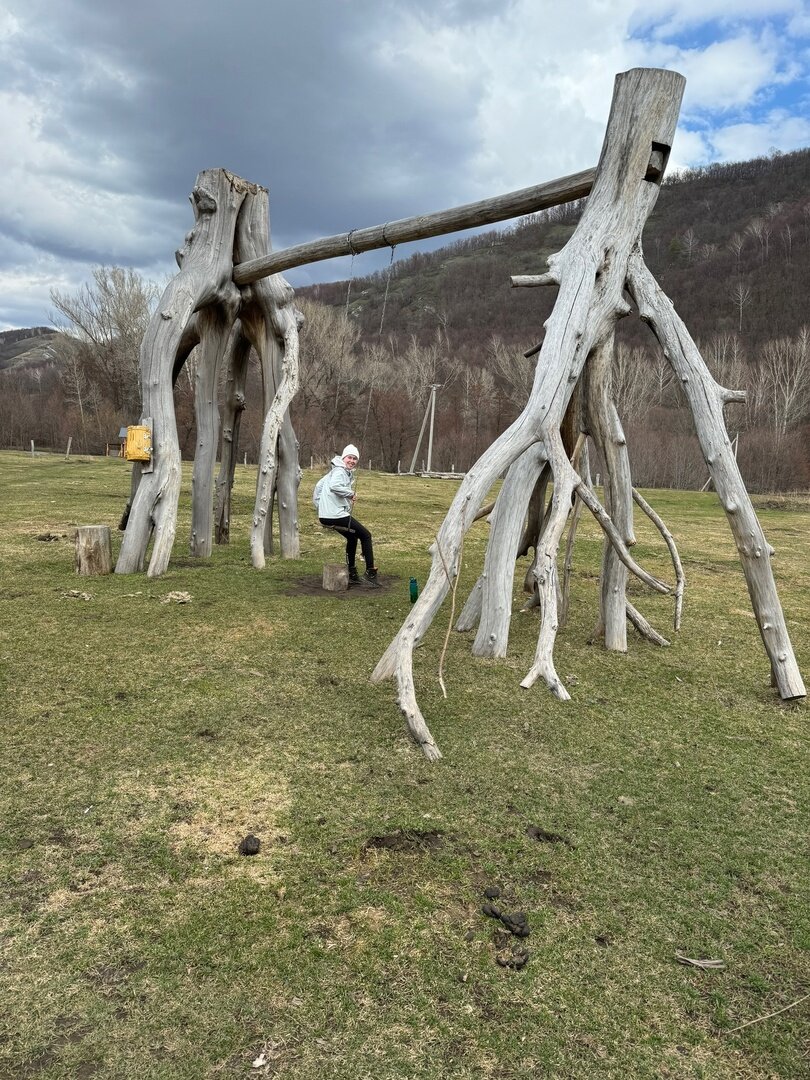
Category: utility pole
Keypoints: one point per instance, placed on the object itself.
(429, 411)
(433, 390)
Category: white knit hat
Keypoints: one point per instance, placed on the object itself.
(350, 449)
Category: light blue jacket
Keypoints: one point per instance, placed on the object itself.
(333, 493)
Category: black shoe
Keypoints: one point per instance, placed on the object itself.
(354, 577)
(369, 580)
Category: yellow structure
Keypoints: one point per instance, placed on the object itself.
(139, 443)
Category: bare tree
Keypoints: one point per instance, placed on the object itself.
(508, 364)
(633, 380)
(75, 383)
(423, 366)
(756, 230)
(783, 383)
(725, 356)
(689, 244)
(787, 243)
(103, 325)
(737, 243)
(740, 296)
(329, 364)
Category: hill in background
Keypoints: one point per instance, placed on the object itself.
(711, 228)
(730, 245)
(26, 349)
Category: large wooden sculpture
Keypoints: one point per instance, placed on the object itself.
(203, 308)
(224, 298)
(600, 264)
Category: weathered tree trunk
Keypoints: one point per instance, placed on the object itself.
(93, 550)
(288, 481)
(506, 529)
(605, 428)
(582, 466)
(271, 323)
(591, 272)
(205, 278)
(238, 354)
(216, 323)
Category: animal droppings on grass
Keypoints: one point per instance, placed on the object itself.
(516, 924)
(250, 845)
(515, 958)
(546, 837)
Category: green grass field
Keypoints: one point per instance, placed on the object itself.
(143, 739)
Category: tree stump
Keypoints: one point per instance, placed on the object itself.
(335, 577)
(93, 550)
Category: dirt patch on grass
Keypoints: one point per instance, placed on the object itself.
(222, 808)
(411, 840)
(782, 502)
(257, 627)
(313, 586)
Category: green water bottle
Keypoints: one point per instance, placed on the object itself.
(414, 589)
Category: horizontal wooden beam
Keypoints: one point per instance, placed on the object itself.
(487, 212)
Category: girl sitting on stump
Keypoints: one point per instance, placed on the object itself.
(334, 500)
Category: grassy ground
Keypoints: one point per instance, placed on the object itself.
(143, 739)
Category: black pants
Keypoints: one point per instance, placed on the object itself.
(351, 528)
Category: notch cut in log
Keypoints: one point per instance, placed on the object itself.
(93, 550)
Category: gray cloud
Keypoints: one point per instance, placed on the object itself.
(352, 112)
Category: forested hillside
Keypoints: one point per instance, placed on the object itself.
(729, 243)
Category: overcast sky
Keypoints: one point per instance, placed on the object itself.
(352, 112)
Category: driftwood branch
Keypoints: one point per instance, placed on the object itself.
(669, 540)
(581, 463)
(565, 482)
(643, 627)
(706, 399)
